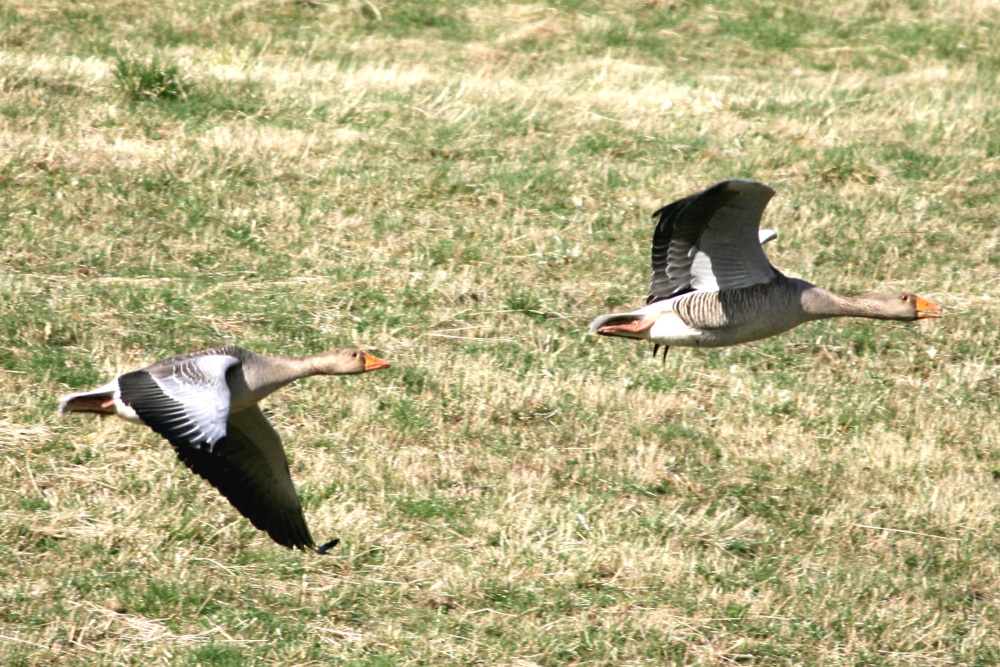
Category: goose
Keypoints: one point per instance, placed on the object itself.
(204, 403)
(713, 286)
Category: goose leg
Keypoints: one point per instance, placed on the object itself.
(656, 348)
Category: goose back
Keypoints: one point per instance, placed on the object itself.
(744, 314)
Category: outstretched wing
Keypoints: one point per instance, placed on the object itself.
(250, 469)
(710, 241)
(187, 402)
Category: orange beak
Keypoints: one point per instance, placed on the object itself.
(926, 309)
(374, 363)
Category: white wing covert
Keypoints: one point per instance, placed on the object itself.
(186, 402)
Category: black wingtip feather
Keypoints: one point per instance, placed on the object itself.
(286, 528)
(325, 549)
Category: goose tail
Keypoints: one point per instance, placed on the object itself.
(100, 400)
(623, 325)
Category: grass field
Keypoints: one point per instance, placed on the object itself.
(461, 188)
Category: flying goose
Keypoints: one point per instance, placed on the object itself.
(205, 404)
(713, 286)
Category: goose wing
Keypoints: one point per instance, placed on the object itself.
(250, 469)
(185, 400)
(710, 241)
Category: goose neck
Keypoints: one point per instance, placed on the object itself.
(266, 374)
(819, 303)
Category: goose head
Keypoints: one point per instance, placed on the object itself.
(905, 306)
(347, 361)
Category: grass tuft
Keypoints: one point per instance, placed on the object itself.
(148, 79)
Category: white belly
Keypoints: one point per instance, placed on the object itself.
(669, 329)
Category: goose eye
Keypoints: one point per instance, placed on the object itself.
(354, 354)
(906, 297)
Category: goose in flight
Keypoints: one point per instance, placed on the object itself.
(713, 286)
(205, 404)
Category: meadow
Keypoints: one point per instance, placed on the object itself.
(460, 188)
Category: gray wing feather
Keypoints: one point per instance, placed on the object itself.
(710, 241)
(729, 253)
(184, 400)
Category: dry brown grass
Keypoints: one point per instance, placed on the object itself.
(462, 189)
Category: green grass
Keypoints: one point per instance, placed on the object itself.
(147, 80)
(461, 187)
